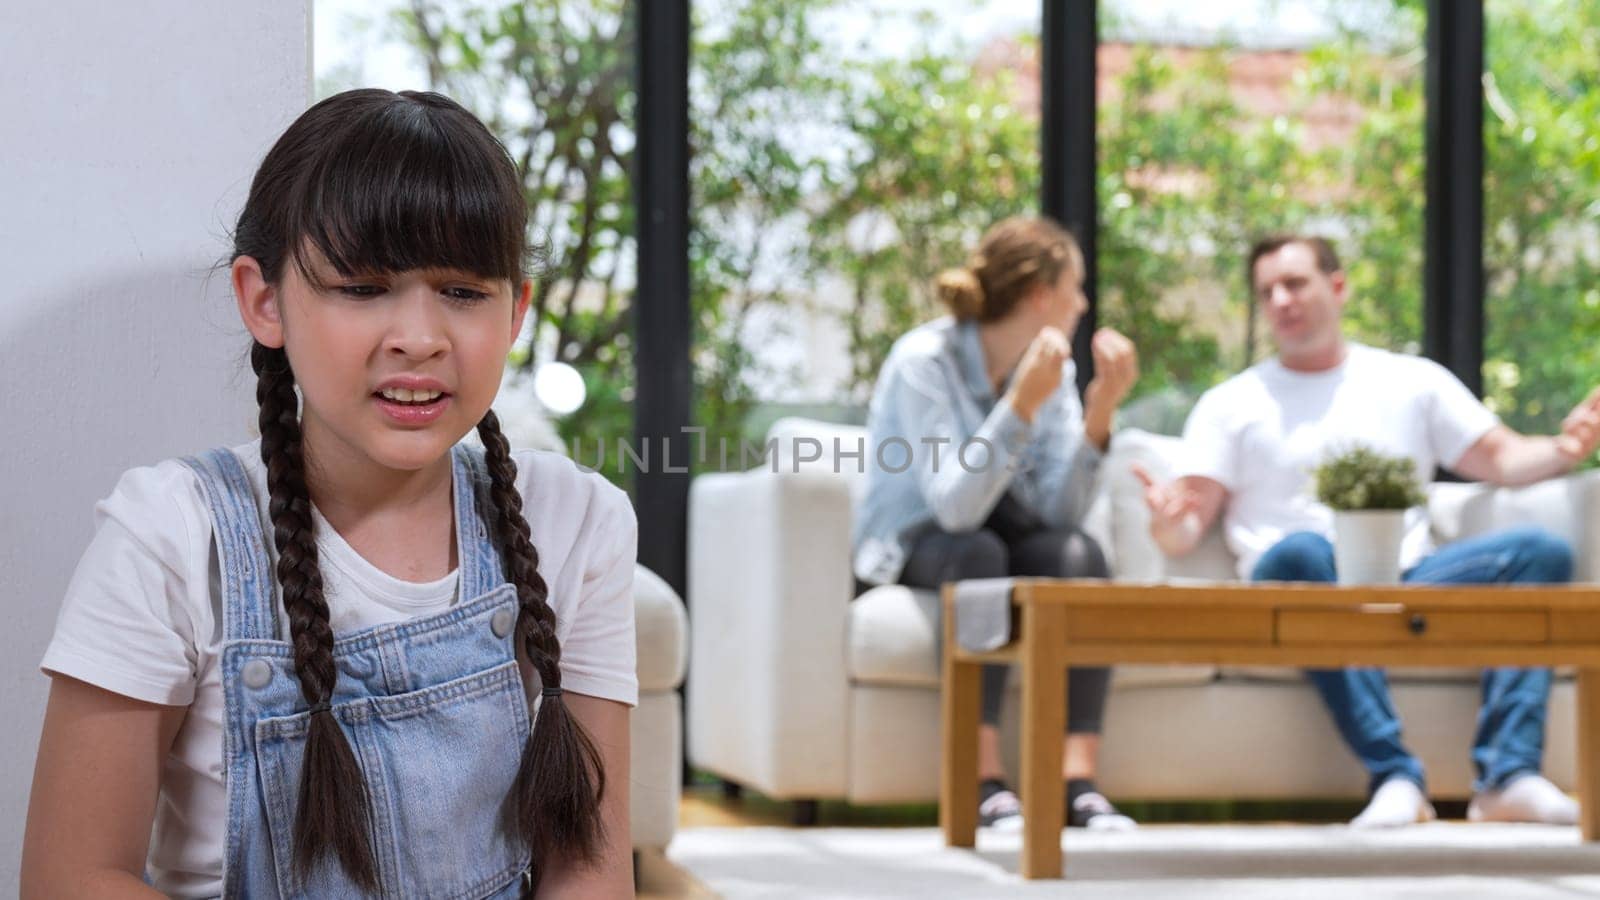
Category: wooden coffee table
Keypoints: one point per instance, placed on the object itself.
(1061, 623)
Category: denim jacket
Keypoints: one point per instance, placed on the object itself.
(942, 450)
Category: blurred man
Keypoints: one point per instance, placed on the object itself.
(1249, 448)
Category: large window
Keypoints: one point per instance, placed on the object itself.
(844, 153)
(1541, 209)
(1215, 130)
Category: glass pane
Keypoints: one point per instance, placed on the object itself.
(1542, 209)
(844, 153)
(1219, 126)
(554, 81)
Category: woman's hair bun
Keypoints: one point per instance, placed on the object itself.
(960, 290)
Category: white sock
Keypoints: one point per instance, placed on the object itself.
(1527, 798)
(1396, 803)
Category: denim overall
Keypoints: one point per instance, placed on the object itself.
(434, 709)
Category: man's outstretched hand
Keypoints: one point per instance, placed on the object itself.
(1170, 503)
(1580, 430)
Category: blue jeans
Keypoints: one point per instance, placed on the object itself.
(1510, 733)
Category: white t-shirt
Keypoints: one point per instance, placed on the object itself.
(1262, 432)
(142, 617)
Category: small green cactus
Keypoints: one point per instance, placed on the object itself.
(1362, 478)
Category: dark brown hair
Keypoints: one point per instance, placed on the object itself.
(380, 182)
(1327, 259)
(1015, 255)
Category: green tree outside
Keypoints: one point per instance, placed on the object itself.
(798, 148)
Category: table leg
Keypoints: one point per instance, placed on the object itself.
(958, 771)
(1044, 719)
(1589, 753)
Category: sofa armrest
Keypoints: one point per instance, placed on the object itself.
(662, 631)
(661, 628)
(769, 588)
(1568, 507)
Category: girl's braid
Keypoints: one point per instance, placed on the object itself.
(333, 808)
(555, 803)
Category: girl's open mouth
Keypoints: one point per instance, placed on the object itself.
(408, 408)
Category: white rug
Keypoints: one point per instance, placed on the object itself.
(1447, 861)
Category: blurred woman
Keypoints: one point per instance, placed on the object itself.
(985, 462)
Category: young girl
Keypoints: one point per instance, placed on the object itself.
(306, 666)
(998, 370)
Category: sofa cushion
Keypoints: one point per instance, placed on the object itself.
(661, 632)
(891, 637)
(892, 640)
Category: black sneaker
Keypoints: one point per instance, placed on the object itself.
(1001, 810)
(1093, 811)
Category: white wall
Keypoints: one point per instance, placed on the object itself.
(129, 135)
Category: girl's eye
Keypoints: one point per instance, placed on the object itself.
(461, 295)
(465, 295)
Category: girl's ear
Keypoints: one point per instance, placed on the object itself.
(258, 302)
(519, 308)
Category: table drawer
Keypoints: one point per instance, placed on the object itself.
(1394, 624)
(1571, 626)
(1162, 624)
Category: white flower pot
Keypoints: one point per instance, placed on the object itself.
(1366, 545)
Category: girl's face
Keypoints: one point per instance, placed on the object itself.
(360, 337)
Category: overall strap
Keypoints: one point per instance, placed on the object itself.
(481, 567)
(249, 603)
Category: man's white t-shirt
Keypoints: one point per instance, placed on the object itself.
(142, 618)
(1261, 433)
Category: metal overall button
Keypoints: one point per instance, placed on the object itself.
(502, 621)
(257, 674)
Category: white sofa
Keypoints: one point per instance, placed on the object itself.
(656, 724)
(801, 693)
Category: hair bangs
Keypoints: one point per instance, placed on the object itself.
(401, 190)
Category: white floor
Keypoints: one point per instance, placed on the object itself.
(1448, 861)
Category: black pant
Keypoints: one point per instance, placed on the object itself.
(1014, 542)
